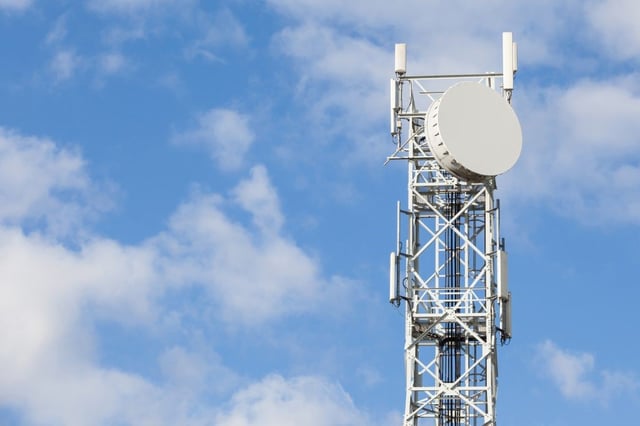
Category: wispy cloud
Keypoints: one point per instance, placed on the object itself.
(64, 64)
(224, 133)
(571, 141)
(220, 32)
(575, 375)
(128, 6)
(15, 5)
(112, 63)
(58, 32)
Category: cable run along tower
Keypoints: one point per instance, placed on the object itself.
(456, 133)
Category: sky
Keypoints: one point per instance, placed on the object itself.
(195, 218)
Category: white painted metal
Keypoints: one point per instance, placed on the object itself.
(401, 58)
(507, 61)
(473, 132)
(505, 317)
(450, 257)
(393, 105)
(503, 278)
(393, 277)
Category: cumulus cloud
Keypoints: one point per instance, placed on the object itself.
(252, 273)
(574, 376)
(224, 133)
(308, 400)
(580, 155)
(42, 182)
(258, 196)
(52, 296)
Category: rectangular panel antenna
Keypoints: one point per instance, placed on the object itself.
(401, 58)
(507, 61)
(393, 97)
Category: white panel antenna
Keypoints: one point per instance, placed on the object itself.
(401, 58)
(502, 275)
(393, 99)
(507, 61)
(393, 277)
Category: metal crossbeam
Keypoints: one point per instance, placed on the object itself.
(449, 251)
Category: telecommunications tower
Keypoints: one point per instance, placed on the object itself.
(456, 132)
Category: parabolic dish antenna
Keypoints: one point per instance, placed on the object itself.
(473, 132)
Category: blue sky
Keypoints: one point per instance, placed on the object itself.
(195, 218)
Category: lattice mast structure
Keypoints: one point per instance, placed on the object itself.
(449, 266)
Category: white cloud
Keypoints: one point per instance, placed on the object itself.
(15, 5)
(342, 86)
(197, 371)
(220, 31)
(573, 374)
(83, 395)
(369, 376)
(128, 6)
(451, 38)
(569, 372)
(111, 63)
(40, 181)
(615, 22)
(253, 274)
(225, 133)
(308, 400)
(52, 296)
(580, 154)
(119, 35)
(58, 32)
(64, 64)
(257, 195)
(343, 53)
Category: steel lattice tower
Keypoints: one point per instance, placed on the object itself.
(449, 266)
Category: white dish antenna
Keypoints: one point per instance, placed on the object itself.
(473, 132)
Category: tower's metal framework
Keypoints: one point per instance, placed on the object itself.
(449, 268)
